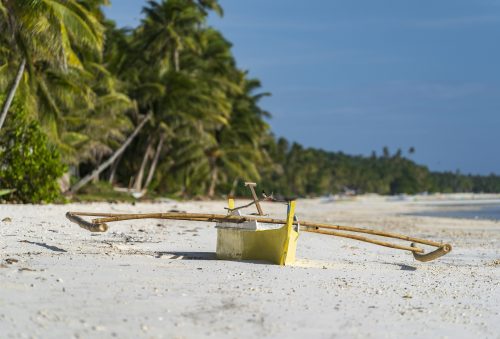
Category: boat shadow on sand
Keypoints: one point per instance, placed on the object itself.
(181, 255)
(187, 255)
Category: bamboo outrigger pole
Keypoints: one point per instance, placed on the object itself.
(99, 225)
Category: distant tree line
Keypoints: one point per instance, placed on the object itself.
(311, 172)
(162, 109)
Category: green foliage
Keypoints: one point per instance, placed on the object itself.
(28, 163)
(298, 171)
(66, 85)
(449, 182)
(5, 191)
(103, 191)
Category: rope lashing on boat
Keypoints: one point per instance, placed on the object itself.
(99, 225)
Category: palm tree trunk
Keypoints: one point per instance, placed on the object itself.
(233, 187)
(213, 182)
(12, 92)
(95, 180)
(176, 60)
(114, 167)
(140, 174)
(108, 162)
(152, 169)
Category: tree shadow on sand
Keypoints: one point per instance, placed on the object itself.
(44, 245)
(402, 267)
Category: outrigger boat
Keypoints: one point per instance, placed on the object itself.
(244, 237)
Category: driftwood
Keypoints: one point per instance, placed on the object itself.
(99, 225)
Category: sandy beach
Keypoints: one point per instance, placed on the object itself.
(159, 279)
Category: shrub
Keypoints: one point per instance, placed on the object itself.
(28, 163)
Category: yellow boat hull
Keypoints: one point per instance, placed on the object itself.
(277, 246)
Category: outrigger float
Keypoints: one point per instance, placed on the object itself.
(244, 237)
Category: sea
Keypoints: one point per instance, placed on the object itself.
(465, 211)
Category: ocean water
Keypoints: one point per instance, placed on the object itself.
(465, 211)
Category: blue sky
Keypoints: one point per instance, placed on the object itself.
(357, 75)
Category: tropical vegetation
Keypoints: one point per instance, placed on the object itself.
(160, 109)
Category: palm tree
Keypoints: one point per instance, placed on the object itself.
(181, 98)
(45, 31)
(167, 30)
(169, 27)
(238, 150)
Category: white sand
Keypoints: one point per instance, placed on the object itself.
(158, 279)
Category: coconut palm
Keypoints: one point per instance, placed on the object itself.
(45, 32)
(168, 28)
(167, 31)
(238, 151)
(188, 98)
